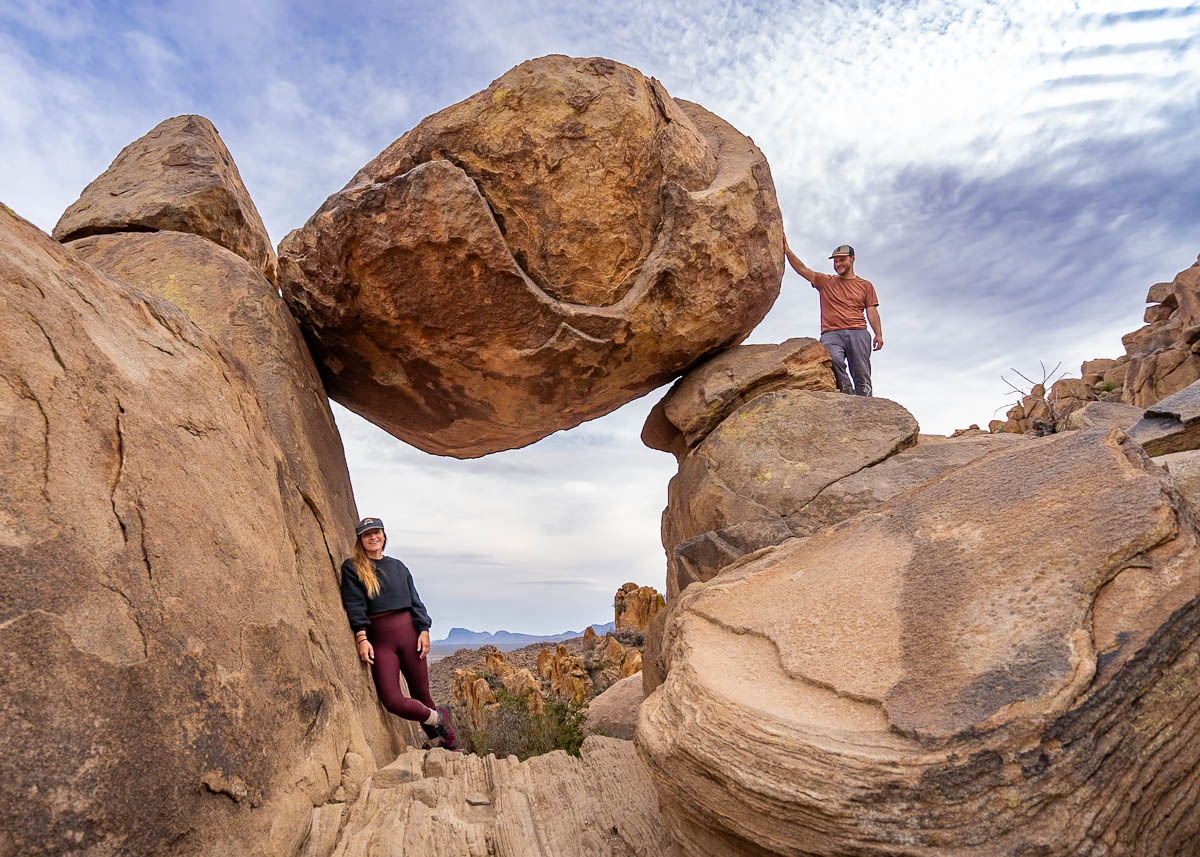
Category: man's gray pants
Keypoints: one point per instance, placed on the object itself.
(853, 347)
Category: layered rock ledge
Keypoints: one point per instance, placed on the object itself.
(1001, 661)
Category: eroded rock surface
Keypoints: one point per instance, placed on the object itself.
(1000, 661)
(440, 804)
(708, 393)
(178, 674)
(1171, 425)
(765, 463)
(535, 256)
(614, 712)
(1162, 356)
(634, 606)
(178, 177)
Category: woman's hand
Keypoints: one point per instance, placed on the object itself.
(366, 652)
(423, 644)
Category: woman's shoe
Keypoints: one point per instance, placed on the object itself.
(445, 729)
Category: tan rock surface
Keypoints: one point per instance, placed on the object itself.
(1172, 424)
(634, 606)
(568, 677)
(1162, 360)
(1103, 414)
(614, 712)
(713, 390)
(815, 439)
(535, 256)
(178, 177)
(955, 673)
(160, 564)
(1184, 468)
(439, 804)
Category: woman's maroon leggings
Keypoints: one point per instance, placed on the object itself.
(394, 639)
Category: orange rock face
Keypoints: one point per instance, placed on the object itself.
(535, 256)
(634, 606)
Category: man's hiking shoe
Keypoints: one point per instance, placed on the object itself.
(445, 730)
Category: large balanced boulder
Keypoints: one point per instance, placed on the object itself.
(535, 256)
(177, 672)
(1001, 661)
(179, 177)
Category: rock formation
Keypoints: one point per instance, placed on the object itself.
(711, 391)
(179, 177)
(634, 606)
(968, 669)
(1164, 356)
(614, 712)
(535, 256)
(1160, 359)
(440, 804)
(1172, 425)
(726, 482)
(817, 458)
(174, 498)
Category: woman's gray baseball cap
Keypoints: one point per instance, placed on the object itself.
(367, 524)
(843, 250)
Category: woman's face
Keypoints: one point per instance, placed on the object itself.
(372, 541)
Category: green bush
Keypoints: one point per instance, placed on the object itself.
(513, 730)
(1106, 386)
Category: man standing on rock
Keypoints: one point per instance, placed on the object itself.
(844, 298)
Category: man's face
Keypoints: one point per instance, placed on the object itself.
(842, 264)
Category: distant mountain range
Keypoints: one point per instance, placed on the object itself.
(467, 637)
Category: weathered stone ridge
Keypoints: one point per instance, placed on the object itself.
(535, 256)
(953, 673)
(178, 177)
(440, 804)
(171, 561)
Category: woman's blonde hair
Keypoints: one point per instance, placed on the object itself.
(364, 567)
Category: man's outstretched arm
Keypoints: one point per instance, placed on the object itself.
(877, 326)
(798, 266)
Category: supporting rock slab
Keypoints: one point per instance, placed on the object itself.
(1002, 661)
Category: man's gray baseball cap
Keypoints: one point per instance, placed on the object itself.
(843, 250)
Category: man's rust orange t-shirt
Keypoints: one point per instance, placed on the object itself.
(843, 301)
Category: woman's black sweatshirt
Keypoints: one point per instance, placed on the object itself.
(396, 592)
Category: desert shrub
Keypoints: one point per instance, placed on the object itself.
(1106, 386)
(512, 730)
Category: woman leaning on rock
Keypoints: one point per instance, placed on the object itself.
(391, 628)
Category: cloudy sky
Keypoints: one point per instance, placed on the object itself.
(1014, 176)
